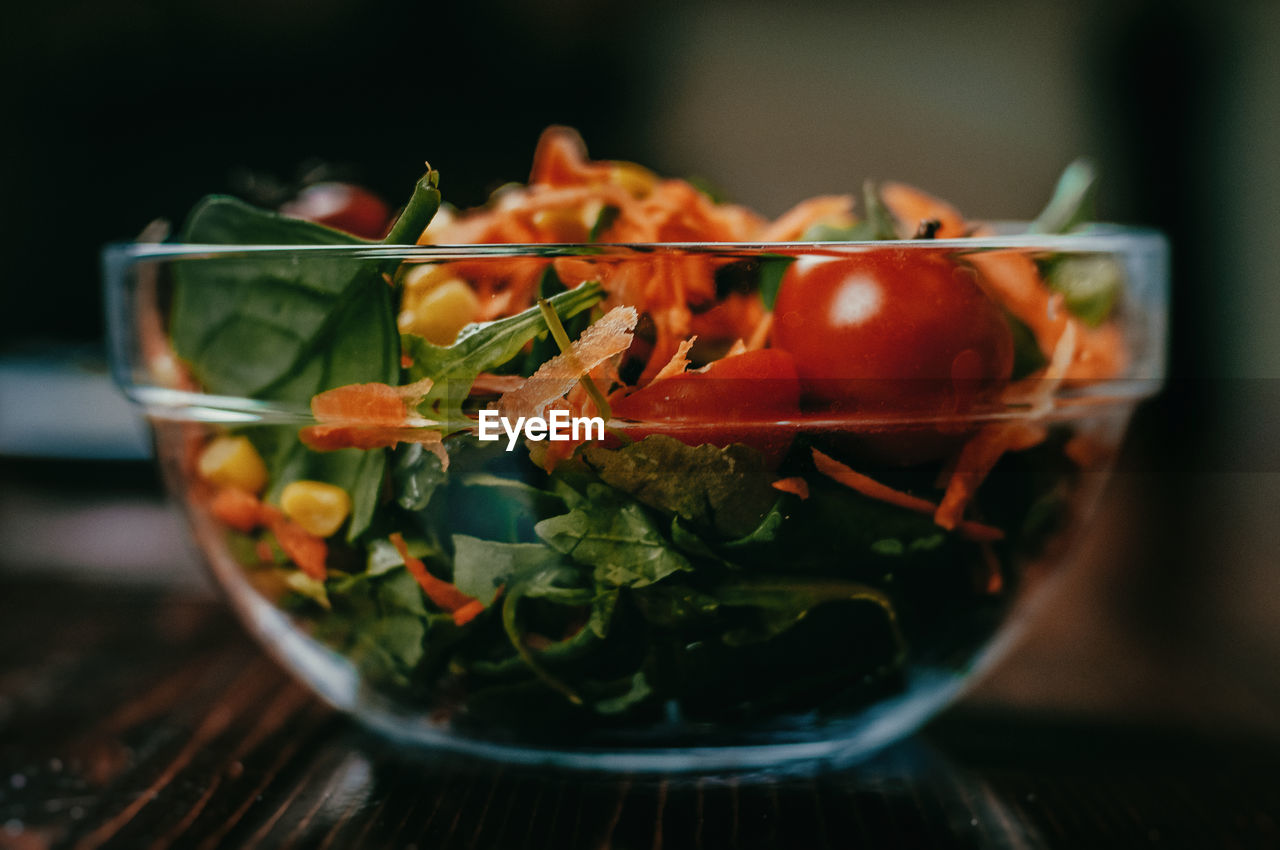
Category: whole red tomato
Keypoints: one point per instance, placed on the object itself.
(894, 331)
(737, 399)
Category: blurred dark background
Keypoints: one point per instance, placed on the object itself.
(121, 111)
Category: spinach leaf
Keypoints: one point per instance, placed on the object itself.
(479, 348)
(727, 489)
(613, 534)
(480, 567)
(285, 327)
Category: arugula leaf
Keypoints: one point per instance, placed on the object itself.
(727, 489)
(614, 535)
(671, 605)
(608, 215)
(544, 346)
(1073, 202)
(482, 347)
(782, 602)
(1090, 284)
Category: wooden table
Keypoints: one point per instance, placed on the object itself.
(144, 718)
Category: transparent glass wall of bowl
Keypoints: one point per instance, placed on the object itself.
(691, 667)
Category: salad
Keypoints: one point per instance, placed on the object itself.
(683, 467)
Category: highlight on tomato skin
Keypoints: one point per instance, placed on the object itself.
(737, 399)
(895, 332)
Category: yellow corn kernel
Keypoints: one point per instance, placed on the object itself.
(565, 224)
(318, 507)
(232, 462)
(636, 179)
(422, 278)
(441, 313)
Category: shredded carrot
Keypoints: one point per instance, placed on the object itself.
(306, 550)
(869, 487)
(994, 580)
(442, 594)
(975, 460)
(609, 335)
(371, 416)
(236, 508)
(824, 209)
(487, 382)
(468, 612)
(910, 206)
(1087, 451)
(760, 335)
(678, 362)
(794, 485)
(263, 550)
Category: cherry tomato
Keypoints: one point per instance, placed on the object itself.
(342, 206)
(896, 332)
(737, 399)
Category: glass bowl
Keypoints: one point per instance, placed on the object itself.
(709, 583)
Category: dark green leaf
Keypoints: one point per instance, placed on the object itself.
(726, 489)
(285, 327)
(1027, 356)
(772, 270)
(613, 535)
(608, 215)
(781, 603)
(480, 567)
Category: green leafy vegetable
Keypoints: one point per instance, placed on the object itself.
(727, 489)
(614, 535)
(285, 327)
(877, 223)
(482, 347)
(480, 567)
(772, 270)
(1073, 202)
(1090, 284)
(1027, 356)
(544, 347)
(781, 603)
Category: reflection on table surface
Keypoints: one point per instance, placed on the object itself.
(134, 717)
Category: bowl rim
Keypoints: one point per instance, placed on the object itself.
(1094, 238)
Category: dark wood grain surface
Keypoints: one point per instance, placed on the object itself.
(141, 718)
